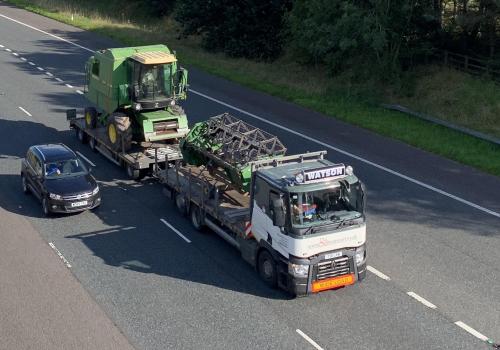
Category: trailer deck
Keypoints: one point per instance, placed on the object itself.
(142, 155)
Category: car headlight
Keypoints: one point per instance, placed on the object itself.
(55, 196)
(360, 255)
(298, 270)
(95, 191)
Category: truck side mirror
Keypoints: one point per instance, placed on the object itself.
(278, 212)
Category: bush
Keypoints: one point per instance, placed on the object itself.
(251, 29)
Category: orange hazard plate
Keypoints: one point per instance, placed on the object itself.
(333, 282)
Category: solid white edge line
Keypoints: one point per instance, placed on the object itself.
(86, 159)
(378, 273)
(471, 331)
(65, 261)
(25, 111)
(175, 230)
(44, 32)
(70, 86)
(79, 92)
(366, 161)
(422, 300)
(309, 340)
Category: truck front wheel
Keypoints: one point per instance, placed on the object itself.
(119, 131)
(267, 268)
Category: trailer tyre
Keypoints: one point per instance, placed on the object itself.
(267, 269)
(180, 203)
(81, 135)
(93, 144)
(197, 218)
(133, 173)
(90, 116)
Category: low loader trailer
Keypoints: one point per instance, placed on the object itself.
(298, 219)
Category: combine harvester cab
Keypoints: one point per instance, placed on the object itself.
(299, 219)
(134, 92)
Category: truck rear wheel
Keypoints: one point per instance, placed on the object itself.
(197, 218)
(267, 269)
(119, 130)
(90, 115)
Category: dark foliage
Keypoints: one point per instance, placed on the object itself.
(244, 28)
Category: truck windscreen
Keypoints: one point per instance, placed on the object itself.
(325, 206)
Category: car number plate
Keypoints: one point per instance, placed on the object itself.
(78, 204)
(335, 282)
(333, 255)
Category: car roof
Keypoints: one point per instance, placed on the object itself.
(54, 152)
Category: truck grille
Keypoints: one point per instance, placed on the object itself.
(333, 268)
(166, 127)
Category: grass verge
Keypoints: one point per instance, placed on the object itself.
(310, 87)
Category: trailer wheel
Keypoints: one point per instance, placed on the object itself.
(93, 144)
(197, 218)
(267, 268)
(81, 135)
(180, 203)
(90, 115)
(133, 173)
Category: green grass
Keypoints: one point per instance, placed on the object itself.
(447, 94)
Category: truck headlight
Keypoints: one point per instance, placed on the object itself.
(95, 191)
(55, 196)
(298, 270)
(360, 255)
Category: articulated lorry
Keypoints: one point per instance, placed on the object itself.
(134, 114)
(298, 219)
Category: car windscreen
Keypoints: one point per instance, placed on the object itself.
(65, 168)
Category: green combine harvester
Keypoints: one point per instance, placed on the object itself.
(227, 143)
(135, 90)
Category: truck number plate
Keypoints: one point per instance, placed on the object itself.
(330, 283)
(333, 255)
(78, 204)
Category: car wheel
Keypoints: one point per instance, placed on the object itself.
(24, 185)
(45, 206)
(267, 268)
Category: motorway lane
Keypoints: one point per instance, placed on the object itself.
(429, 209)
(122, 257)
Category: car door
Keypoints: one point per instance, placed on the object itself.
(37, 178)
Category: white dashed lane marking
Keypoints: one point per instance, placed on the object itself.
(49, 74)
(471, 331)
(70, 86)
(309, 340)
(59, 80)
(175, 230)
(25, 111)
(23, 59)
(15, 54)
(8, 50)
(422, 300)
(378, 273)
(40, 68)
(80, 92)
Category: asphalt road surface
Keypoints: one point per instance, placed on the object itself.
(433, 225)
